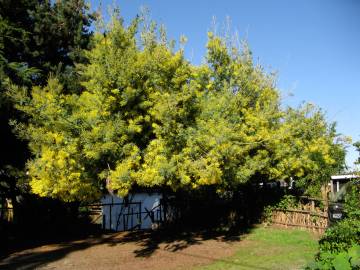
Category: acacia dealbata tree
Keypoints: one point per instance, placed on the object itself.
(148, 117)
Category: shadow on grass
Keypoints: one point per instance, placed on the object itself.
(201, 209)
(228, 261)
(176, 240)
(30, 259)
(148, 242)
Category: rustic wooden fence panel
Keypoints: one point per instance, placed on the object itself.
(300, 218)
(309, 216)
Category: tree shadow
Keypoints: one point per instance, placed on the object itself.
(28, 259)
(174, 239)
(207, 219)
(206, 216)
(170, 240)
(227, 261)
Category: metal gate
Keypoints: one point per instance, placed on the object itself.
(119, 214)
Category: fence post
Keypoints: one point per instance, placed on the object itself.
(312, 205)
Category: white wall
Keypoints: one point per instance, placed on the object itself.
(111, 213)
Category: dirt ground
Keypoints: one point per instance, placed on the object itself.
(127, 250)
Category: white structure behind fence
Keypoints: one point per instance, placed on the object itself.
(138, 211)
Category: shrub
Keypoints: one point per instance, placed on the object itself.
(339, 248)
(349, 259)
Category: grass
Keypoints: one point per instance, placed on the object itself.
(270, 248)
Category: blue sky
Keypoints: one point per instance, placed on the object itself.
(313, 45)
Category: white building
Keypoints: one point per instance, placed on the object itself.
(337, 181)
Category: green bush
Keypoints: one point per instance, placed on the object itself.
(341, 236)
(349, 259)
(339, 248)
(286, 202)
(346, 232)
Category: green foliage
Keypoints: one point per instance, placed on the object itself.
(352, 201)
(31, 29)
(346, 232)
(357, 146)
(341, 236)
(147, 117)
(348, 259)
(340, 245)
(286, 202)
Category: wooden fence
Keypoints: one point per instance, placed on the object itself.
(309, 216)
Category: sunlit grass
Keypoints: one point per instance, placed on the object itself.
(270, 248)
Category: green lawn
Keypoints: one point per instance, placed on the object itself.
(270, 248)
